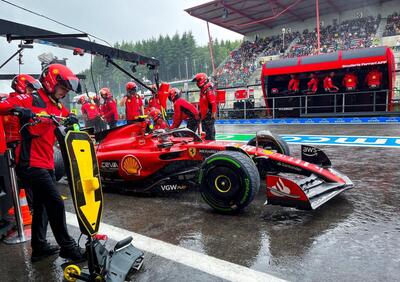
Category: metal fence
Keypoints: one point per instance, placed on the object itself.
(306, 105)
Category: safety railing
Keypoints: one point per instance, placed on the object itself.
(302, 105)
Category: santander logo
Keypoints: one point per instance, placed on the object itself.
(278, 188)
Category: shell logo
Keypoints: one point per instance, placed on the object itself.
(55, 71)
(91, 107)
(129, 100)
(131, 165)
(23, 78)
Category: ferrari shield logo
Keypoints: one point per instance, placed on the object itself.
(192, 152)
(131, 165)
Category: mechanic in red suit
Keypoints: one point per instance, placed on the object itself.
(208, 105)
(21, 84)
(133, 103)
(159, 122)
(312, 85)
(374, 79)
(294, 84)
(350, 81)
(109, 107)
(90, 113)
(154, 101)
(328, 83)
(36, 164)
(183, 110)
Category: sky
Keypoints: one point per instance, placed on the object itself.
(114, 21)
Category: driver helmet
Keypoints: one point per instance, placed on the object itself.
(155, 114)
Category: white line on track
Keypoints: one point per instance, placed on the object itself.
(211, 265)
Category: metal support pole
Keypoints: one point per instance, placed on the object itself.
(306, 105)
(273, 107)
(301, 105)
(244, 108)
(318, 27)
(387, 101)
(334, 104)
(343, 102)
(210, 46)
(19, 236)
(374, 104)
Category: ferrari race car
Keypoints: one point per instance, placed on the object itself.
(132, 158)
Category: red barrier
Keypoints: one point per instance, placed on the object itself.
(3, 146)
(241, 94)
(221, 96)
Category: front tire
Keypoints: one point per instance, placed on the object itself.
(229, 181)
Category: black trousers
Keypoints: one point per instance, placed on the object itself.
(208, 127)
(192, 124)
(46, 200)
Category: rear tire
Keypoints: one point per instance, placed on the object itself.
(59, 169)
(229, 181)
(271, 142)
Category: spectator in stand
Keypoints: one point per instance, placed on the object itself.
(374, 79)
(328, 83)
(392, 27)
(349, 34)
(350, 81)
(294, 84)
(312, 85)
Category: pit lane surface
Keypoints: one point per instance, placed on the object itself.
(354, 237)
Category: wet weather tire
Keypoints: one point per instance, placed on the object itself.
(59, 169)
(229, 181)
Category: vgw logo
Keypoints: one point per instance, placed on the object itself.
(172, 187)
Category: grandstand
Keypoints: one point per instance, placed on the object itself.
(287, 28)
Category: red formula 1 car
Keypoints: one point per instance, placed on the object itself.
(228, 173)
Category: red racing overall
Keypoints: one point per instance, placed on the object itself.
(36, 168)
(183, 110)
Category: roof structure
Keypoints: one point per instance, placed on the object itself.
(247, 16)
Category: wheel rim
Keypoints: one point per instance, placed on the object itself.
(71, 270)
(223, 184)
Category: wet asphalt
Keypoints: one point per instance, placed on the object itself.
(354, 237)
